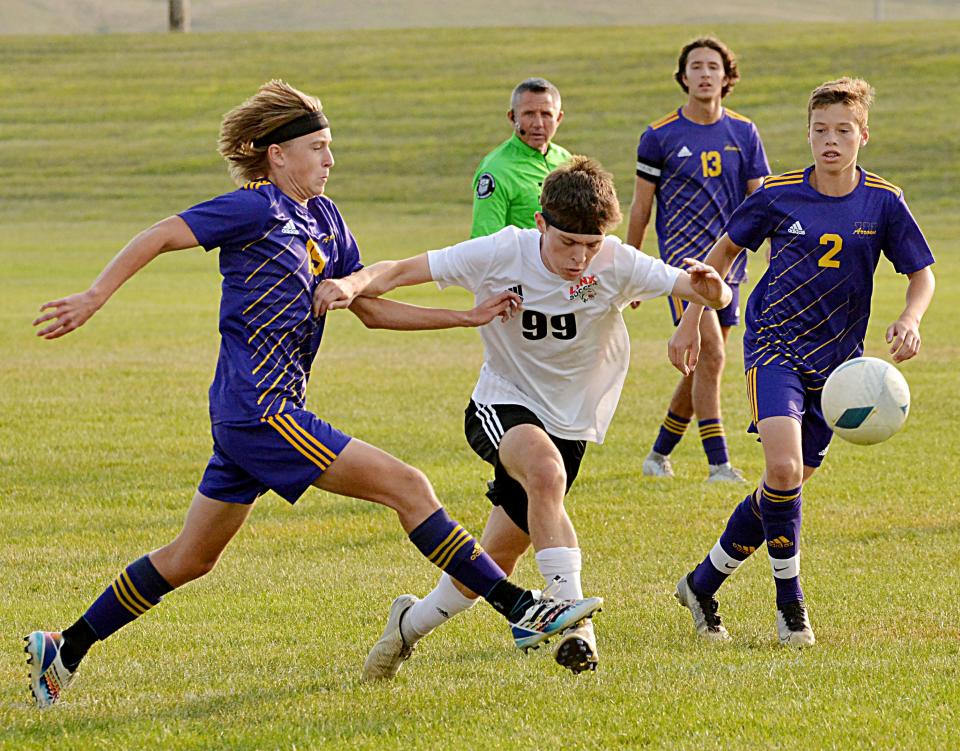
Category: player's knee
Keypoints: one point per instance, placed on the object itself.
(188, 565)
(546, 482)
(784, 472)
(712, 359)
(409, 490)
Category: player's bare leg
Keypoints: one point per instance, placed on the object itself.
(208, 529)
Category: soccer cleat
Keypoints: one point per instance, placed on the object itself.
(577, 650)
(793, 625)
(725, 472)
(546, 617)
(48, 676)
(657, 465)
(704, 611)
(392, 650)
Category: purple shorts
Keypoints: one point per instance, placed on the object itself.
(781, 391)
(286, 454)
(729, 316)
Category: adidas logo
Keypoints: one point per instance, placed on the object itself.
(780, 542)
(684, 151)
(796, 229)
(518, 289)
(290, 228)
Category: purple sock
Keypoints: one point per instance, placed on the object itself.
(450, 547)
(714, 441)
(743, 535)
(781, 514)
(671, 431)
(138, 588)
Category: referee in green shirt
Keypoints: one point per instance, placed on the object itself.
(506, 186)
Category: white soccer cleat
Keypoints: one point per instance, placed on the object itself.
(657, 465)
(704, 611)
(547, 617)
(391, 651)
(793, 626)
(577, 650)
(725, 472)
(48, 676)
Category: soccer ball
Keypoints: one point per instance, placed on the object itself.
(865, 400)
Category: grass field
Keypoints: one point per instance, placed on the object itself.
(103, 435)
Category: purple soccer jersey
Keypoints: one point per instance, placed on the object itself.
(273, 254)
(810, 309)
(701, 173)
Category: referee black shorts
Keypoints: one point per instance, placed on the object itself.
(485, 425)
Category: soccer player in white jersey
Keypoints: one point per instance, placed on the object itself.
(550, 381)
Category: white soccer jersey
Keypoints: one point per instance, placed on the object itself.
(565, 357)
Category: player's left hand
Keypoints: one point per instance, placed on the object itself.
(903, 336)
(506, 305)
(705, 280)
(333, 294)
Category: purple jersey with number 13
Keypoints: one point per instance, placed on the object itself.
(701, 173)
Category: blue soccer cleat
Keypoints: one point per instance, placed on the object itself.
(48, 676)
(546, 617)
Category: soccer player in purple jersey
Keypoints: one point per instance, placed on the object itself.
(700, 162)
(279, 238)
(828, 225)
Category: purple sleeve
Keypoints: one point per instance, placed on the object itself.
(757, 164)
(750, 224)
(649, 157)
(231, 219)
(903, 241)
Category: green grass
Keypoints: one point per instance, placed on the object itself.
(103, 435)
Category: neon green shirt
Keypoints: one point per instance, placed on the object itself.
(506, 185)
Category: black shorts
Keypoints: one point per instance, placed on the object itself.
(484, 425)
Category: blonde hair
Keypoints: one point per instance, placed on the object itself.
(275, 104)
(581, 197)
(852, 92)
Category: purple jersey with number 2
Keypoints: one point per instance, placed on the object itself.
(810, 309)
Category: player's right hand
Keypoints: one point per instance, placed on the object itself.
(505, 305)
(67, 314)
(333, 294)
(683, 349)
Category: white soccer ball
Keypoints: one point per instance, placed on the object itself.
(865, 400)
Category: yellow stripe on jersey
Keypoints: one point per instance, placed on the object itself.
(282, 310)
(665, 120)
(276, 284)
(771, 183)
(254, 184)
(883, 186)
(273, 385)
(737, 115)
(284, 248)
(875, 177)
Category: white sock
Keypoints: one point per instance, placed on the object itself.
(438, 607)
(565, 563)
